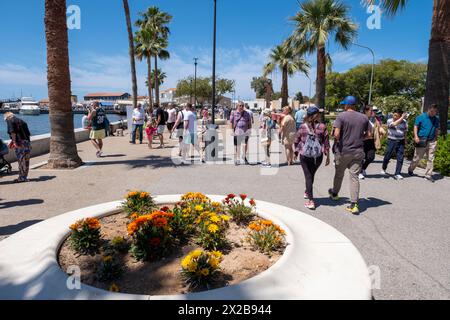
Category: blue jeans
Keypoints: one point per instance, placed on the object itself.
(399, 147)
(137, 128)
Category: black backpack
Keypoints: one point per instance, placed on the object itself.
(166, 116)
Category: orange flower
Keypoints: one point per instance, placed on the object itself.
(267, 223)
(160, 222)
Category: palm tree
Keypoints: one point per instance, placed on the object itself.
(144, 49)
(285, 58)
(162, 76)
(438, 76)
(316, 22)
(156, 21)
(63, 148)
(131, 52)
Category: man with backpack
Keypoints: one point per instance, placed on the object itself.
(21, 143)
(312, 143)
(350, 130)
(161, 120)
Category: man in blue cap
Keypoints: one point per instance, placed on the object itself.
(350, 130)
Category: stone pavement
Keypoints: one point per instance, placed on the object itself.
(403, 229)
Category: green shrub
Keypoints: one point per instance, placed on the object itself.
(442, 156)
(109, 269)
(138, 202)
(85, 236)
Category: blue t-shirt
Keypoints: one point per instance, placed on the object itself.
(299, 116)
(427, 126)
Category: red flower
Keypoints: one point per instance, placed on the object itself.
(154, 242)
(165, 209)
(243, 196)
(252, 202)
(231, 196)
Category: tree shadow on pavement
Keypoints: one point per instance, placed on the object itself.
(10, 230)
(154, 162)
(21, 203)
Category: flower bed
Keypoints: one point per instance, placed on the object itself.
(193, 245)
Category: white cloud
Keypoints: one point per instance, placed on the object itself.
(12, 74)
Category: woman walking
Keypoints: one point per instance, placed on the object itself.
(374, 140)
(312, 144)
(288, 130)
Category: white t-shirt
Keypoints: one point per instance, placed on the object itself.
(172, 115)
(192, 118)
(138, 116)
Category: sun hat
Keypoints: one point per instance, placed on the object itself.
(350, 101)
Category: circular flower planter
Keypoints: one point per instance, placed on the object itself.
(319, 262)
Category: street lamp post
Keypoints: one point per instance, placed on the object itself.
(214, 66)
(373, 69)
(195, 82)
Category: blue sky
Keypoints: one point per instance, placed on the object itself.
(247, 30)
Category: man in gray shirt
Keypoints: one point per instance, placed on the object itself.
(350, 130)
(397, 128)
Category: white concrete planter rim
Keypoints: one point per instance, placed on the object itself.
(319, 262)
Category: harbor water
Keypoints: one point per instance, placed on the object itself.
(41, 125)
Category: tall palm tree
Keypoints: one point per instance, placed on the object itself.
(131, 52)
(63, 148)
(285, 58)
(438, 75)
(162, 76)
(155, 21)
(316, 22)
(144, 50)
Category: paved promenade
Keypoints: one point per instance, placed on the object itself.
(403, 228)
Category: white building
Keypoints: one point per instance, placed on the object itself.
(168, 96)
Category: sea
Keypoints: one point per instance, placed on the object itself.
(41, 125)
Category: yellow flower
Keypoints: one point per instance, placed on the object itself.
(196, 253)
(217, 254)
(214, 262)
(186, 262)
(114, 288)
(192, 267)
(267, 223)
(213, 228)
(198, 208)
(214, 219)
(205, 272)
(107, 259)
(225, 217)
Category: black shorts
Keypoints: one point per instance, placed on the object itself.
(239, 139)
(170, 126)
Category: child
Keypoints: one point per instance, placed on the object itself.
(150, 130)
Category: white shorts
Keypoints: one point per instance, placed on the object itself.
(161, 129)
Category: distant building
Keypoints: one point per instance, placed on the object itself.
(168, 96)
(107, 96)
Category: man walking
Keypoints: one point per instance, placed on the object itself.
(97, 117)
(20, 142)
(299, 117)
(241, 124)
(426, 132)
(138, 123)
(161, 124)
(350, 130)
(172, 118)
(190, 132)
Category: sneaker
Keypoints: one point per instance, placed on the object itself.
(237, 163)
(429, 178)
(398, 177)
(100, 154)
(333, 195)
(361, 176)
(383, 172)
(246, 161)
(364, 173)
(310, 205)
(97, 154)
(353, 208)
(306, 197)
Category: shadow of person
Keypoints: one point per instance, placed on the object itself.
(11, 229)
(21, 203)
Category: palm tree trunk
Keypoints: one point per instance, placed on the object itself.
(131, 45)
(63, 148)
(438, 76)
(156, 81)
(321, 77)
(150, 96)
(284, 88)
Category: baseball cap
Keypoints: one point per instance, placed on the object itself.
(312, 111)
(350, 100)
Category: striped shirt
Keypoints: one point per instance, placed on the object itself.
(397, 132)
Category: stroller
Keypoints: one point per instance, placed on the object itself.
(5, 166)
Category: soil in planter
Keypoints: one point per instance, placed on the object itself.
(240, 263)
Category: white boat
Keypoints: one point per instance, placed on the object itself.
(29, 107)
